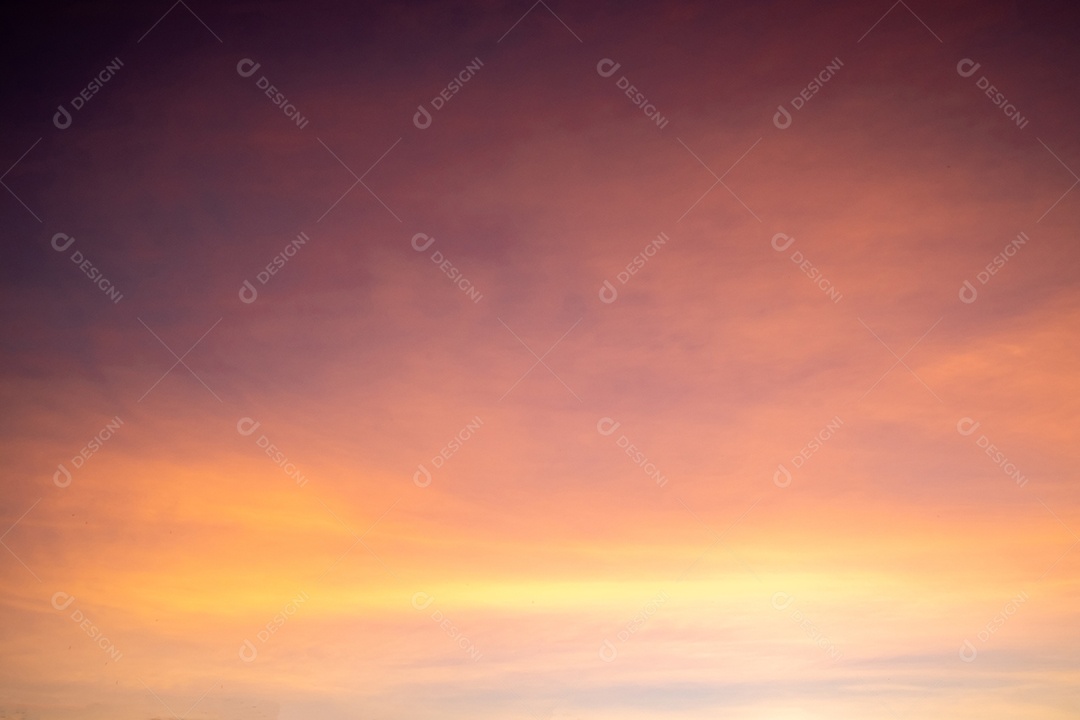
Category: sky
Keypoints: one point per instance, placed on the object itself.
(496, 360)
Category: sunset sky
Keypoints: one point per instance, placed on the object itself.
(496, 360)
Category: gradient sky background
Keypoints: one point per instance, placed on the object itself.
(855, 590)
